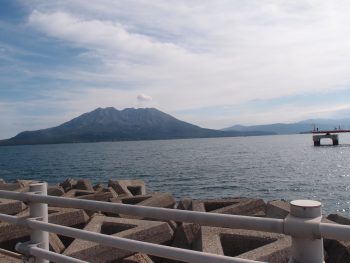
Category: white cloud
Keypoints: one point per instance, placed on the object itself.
(266, 49)
(143, 98)
(195, 54)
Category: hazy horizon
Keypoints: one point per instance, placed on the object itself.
(321, 121)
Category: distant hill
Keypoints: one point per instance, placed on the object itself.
(294, 128)
(110, 124)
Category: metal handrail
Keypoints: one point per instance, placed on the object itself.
(113, 241)
(330, 231)
(34, 250)
(311, 228)
(201, 218)
(136, 246)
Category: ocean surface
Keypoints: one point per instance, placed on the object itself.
(269, 167)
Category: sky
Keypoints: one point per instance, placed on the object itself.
(214, 63)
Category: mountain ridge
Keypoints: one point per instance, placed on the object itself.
(303, 126)
(110, 124)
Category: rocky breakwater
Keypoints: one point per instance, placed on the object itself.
(255, 245)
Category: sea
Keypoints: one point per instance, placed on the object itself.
(285, 167)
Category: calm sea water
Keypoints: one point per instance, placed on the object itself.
(270, 167)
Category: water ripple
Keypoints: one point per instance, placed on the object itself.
(270, 167)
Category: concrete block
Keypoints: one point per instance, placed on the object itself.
(11, 207)
(10, 257)
(185, 204)
(75, 193)
(111, 190)
(185, 234)
(247, 244)
(67, 216)
(233, 206)
(84, 184)
(251, 207)
(55, 190)
(339, 219)
(209, 205)
(148, 231)
(2, 181)
(98, 196)
(17, 186)
(128, 187)
(22, 235)
(164, 200)
(104, 196)
(277, 209)
(9, 232)
(25, 183)
(98, 187)
(133, 200)
(137, 258)
(68, 184)
(61, 216)
(337, 251)
(56, 244)
(11, 186)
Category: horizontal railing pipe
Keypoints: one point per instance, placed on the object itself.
(33, 250)
(331, 231)
(201, 218)
(335, 231)
(10, 219)
(137, 246)
(52, 256)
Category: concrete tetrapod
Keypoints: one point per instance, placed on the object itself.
(84, 184)
(165, 200)
(337, 251)
(11, 207)
(277, 209)
(137, 258)
(128, 187)
(187, 232)
(10, 257)
(246, 244)
(148, 231)
(10, 234)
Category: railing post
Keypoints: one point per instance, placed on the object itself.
(305, 250)
(39, 210)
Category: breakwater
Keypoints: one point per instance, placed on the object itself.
(255, 245)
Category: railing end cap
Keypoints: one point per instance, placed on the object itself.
(306, 203)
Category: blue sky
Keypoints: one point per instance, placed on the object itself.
(212, 63)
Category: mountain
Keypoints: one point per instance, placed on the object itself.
(110, 124)
(294, 128)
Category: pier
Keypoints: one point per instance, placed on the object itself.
(333, 137)
(328, 134)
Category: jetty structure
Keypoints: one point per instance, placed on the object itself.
(318, 135)
(121, 222)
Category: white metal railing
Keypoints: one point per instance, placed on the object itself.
(303, 224)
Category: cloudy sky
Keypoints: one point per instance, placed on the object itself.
(214, 63)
